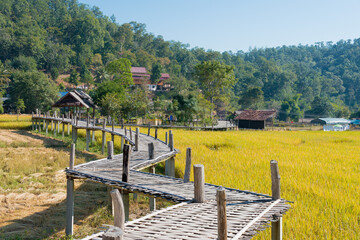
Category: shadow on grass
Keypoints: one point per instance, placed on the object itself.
(60, 144)
(90, 198)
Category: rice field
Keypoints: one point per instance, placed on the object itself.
(320, 173)
(10, 121)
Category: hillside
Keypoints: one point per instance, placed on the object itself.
(58, 37)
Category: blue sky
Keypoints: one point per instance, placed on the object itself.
(225, 25)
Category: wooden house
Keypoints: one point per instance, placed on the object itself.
(74, 101)
(142, 77)
(254, 119)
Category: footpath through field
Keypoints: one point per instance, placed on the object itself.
(246, 212)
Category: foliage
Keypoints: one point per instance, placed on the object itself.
(120, 71)
(320, 107)
(155, 73)
(253, 98)
(214, 77)
(35, 88)
(19, 105)
(290, 110)
(74, 78)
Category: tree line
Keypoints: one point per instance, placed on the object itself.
(42, 39)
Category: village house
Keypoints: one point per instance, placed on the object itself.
(142, 77)
(254, 119)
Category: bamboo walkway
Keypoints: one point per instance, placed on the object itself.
(246, 212)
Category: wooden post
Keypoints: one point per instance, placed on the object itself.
(121, 144)
(58, 127)
(130, 133)
(54, 128)
(126, 159)
(125, 178)
(166, 137)
(69, 230)
(188, 165)
(87, 139)
(32, 121)
(52, 124)
(72, 156)
(39, 125)
(47, 127)
(156, 130)
(93, 137)
(35, 120)
(171, 141)
(119, 213)
(63, 127)
(68, 129)
(125, 131)
(221, 213)
(149, 130)
(74, 134)
(110, 149)
(137, 140)
(276, 227)
(199, 183)
(113, 130)
(103, 138)
(152, 201)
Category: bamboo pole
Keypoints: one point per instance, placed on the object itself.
(125, 178)
(152, 201)
(199, 183)
(137, 140)
(110, 150)
(69, 230)
(221, 213)
(119, 213)
(276, 227)
(188, 165)
(103, 137)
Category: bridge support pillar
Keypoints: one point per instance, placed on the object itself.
(170, 167)
(69, 229)
(103, 138)
(152, 201)
(47, 127)
(87, 139)
(276, 227)
(74, 134)
(69, 207)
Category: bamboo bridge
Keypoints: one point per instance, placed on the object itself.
(202, 210)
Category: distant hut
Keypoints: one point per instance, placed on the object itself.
(333, 124)
(254, 119)
(74, 101)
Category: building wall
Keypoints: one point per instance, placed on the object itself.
(251, 124)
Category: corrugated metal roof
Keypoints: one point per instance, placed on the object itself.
(255, 115)
(334, 120)
(138, 70)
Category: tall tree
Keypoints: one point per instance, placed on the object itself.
(214, 78)
(35, 88)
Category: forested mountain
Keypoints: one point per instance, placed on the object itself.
(63, 36)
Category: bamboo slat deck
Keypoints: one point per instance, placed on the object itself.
(247, 212)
